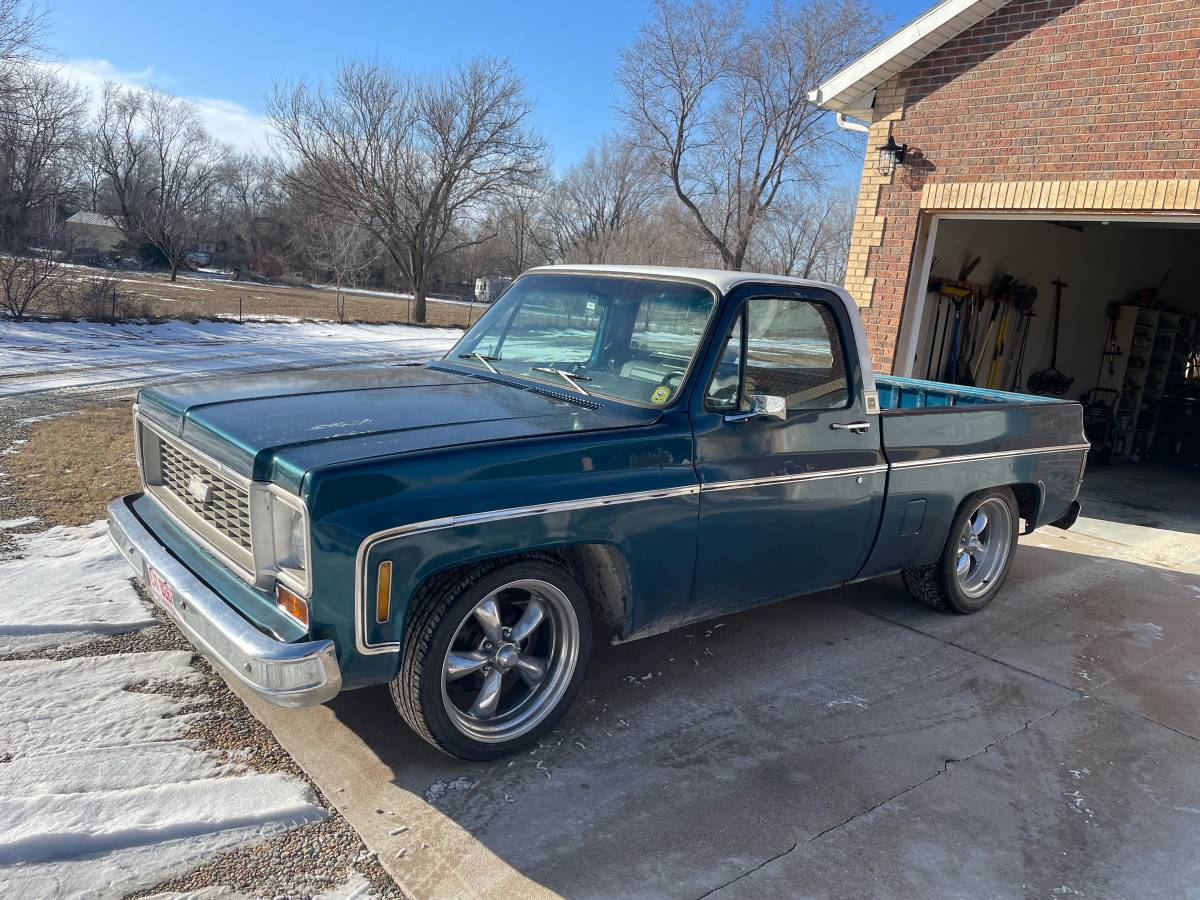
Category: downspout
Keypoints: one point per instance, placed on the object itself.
(849, 125)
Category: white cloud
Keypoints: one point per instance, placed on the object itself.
(226, 120)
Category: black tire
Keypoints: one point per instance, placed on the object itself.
(439, 608)
(938, 584)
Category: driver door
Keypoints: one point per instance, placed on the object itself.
(788, 505)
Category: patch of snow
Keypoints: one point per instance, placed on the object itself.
(393, 295)
(8, 524)
(40, 356)
(851, 700)
(1145, 632)
(103, 795)
(70, 585)
(101, 791)
(356, 887)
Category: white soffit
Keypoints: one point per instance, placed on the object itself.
(846, 90)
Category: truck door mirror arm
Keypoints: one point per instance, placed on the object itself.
(762, 406)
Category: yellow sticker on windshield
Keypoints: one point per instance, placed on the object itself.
(661, 395)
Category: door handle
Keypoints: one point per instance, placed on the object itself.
(856, 427)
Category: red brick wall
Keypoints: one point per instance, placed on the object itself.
(1041, 89)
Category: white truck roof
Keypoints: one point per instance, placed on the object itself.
(721, 279)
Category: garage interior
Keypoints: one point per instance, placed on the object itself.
(1128, 338)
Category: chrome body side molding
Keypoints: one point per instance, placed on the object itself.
(428, 525)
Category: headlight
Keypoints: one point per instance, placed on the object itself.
(281, 547)
(289, 537)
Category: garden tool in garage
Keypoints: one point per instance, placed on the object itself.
(937, 321)
(1111, 348)
(950, 376)
(956, 292)
(997, 364)
(1017, 299)
(1025, 308)
(1052, 381)
(985, 334)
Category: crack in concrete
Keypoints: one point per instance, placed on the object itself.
(882, 803)
(971, 650)
(1145, 718)
(1079, 695)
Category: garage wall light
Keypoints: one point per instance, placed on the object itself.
(891, 155)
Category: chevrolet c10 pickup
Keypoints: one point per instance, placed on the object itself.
(632, 448)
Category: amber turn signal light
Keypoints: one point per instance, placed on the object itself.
(383, 593)
(292, 604)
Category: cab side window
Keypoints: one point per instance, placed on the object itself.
(791, 349)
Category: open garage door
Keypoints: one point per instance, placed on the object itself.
(982, 311)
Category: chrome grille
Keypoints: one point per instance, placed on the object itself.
(226, 507)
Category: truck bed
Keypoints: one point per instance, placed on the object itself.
(943, 441)
(910, 393)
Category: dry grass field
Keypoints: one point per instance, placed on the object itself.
(194, 297)
(73, 465)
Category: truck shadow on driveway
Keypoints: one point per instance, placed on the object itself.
(847, 738)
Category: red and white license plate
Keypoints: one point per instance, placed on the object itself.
(159, 589)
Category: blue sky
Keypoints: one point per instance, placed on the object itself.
(224, 55)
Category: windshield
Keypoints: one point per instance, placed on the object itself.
(628, 338)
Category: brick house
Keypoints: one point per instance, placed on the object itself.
(1054, 140)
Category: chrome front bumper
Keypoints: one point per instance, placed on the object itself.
(301, 674)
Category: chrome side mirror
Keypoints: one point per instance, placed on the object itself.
(762, 406)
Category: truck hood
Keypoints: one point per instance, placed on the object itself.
(278, 427)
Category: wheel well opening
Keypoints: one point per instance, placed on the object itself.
(600, 570)
(1029, 503)
(603, 574)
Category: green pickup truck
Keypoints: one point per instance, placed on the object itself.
(629, 447)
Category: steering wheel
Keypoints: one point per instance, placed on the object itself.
(666, 380)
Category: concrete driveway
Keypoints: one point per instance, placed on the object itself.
(848, 743)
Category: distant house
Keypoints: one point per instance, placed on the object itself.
(94, 232)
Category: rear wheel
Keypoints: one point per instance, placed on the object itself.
(493, 658)
(976, 559)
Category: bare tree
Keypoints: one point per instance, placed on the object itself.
(21, 29)
(342, 250)
(721, 104)
(28, 284)
(89, 172)
(601, 202)
(161, 165)
(252, 204)
(37, 149)
(410, 159)
(807, 235)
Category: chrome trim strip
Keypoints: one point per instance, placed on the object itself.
(220, 468)
(299, 674)
(785, 479)
(998, 454)
(415, 528)
(428, 525)
(517, 512)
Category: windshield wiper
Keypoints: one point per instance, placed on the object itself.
(568, 377)
(486, 360)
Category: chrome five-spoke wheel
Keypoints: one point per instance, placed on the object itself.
(976, 557)
(984, 546)
(510, 660)
(493, 655)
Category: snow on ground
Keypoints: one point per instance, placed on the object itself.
(68, 585)
(392, 295)
(101, 793)
(43, 356)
